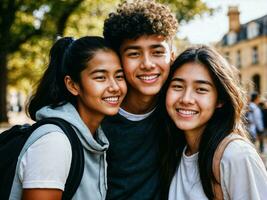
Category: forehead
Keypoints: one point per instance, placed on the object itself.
(100, 54)
(193, 71)
(104, 58)
(146, 41)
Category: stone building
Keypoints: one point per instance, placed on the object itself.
(245, 46)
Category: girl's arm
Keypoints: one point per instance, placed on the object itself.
(41, 194)
(243, 174)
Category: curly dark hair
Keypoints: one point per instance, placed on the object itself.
(141, 17)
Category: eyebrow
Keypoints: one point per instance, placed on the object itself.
(104, 71)
(195, 81)
(119, 70)
(98, 71)
(135, 47)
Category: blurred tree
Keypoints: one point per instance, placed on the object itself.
(186, 10)
(28, 29)
(25, 20)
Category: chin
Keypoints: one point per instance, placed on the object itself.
(182, 126)
(150, 92)
(112, 112)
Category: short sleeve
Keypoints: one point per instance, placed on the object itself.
(46, 163)
(243, 173)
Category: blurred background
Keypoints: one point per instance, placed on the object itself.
(237, 28)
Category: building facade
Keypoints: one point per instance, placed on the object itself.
(245, 46)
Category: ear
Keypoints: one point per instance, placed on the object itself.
(173, 55)
(71, 86)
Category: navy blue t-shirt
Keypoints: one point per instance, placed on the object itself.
(133, 157)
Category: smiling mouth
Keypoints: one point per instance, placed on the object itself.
(112, 100)
(186, 112)
(148, 77)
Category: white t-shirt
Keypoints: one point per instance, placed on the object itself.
(46, 163)
(134, 117)
(244, 176)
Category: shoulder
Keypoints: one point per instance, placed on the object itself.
(51, 145)
(239, 151)
(243, 172)
(238, 147)
(46, 162)
(54, 139)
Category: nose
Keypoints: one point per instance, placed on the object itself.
(113, 86)
(187, 97)
(147, 63)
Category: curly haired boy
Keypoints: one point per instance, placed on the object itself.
(141, 32)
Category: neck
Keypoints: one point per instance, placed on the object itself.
(93, 126)
(91, 121)
(138, 104)
(192, 140)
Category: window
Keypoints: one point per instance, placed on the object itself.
(238, 59)
(255, 56)
(252, 30)
(256, 80)
(227, 56)
(231, 38)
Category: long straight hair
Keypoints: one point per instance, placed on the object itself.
(225, 120)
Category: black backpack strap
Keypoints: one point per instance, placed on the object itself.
(77, 161)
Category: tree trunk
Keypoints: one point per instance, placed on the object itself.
(3, 86)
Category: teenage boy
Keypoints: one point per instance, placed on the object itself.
(141, 32)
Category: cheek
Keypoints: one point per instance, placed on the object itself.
(128, 65)
(170, 101)
(94, 89)
(123, 87)
(166, 69)
(128, 71)
(209, 104)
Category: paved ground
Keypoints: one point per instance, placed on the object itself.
(21, 118)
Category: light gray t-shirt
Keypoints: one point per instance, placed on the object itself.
(244, 176)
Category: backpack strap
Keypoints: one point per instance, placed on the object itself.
(216, 163)
(77, 160)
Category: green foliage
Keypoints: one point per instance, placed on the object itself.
(186, 10)
(28, 64)
(30, 60)
(24, 24)
(89, 17)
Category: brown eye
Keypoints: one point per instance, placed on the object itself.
(100, 78)
(177, 87)
(133, 54)
(120, 76)
(159, 53)
(202, 90)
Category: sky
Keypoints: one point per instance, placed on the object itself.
(208, 29)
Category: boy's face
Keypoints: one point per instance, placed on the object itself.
(146, 62)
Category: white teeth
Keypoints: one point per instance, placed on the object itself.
(147, 78)
(112, 99)
(186, 112)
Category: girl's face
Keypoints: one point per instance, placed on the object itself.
(191, 98)
(102, 86)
